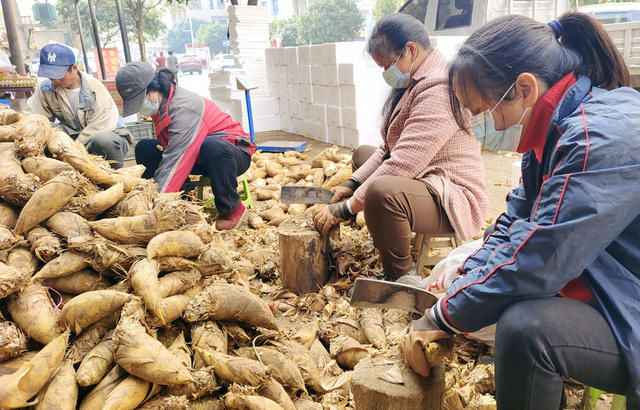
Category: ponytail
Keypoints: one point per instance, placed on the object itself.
(601, 60)
(493, 57)
(162, 82)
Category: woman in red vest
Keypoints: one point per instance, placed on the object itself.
(193, 136)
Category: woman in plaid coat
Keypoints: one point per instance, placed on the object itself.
(427, 175)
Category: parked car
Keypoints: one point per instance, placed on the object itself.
(221, 61)
(191, 64)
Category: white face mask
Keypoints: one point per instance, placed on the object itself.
(396, 78)
(148, 108)
(484, 130)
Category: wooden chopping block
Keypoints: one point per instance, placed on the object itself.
(304, 255)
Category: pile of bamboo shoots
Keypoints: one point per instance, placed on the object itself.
(113, 296)
(268, 172)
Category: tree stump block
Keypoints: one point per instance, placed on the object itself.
(304, 255)
(417, 392)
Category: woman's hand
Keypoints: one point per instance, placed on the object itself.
(421, 333)
(324, 220)
(340, 192)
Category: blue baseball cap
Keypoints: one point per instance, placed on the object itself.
(55, 60)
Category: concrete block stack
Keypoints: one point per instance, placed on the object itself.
(249, 36)
(330, 92)
(225, 94)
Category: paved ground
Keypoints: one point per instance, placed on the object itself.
(197, 83)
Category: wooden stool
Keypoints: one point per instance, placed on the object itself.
(246, 197)
(424, 243)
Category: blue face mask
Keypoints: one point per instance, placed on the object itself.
(484, 130)
(395, 78)
(148, 108)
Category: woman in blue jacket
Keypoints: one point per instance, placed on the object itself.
(560, 275)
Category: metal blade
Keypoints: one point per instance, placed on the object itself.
(382, 294)
(293, 194)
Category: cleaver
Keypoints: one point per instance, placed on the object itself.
(382, 294)
(295, 194)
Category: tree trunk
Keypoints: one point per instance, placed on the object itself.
(143, 49)
(234, 2)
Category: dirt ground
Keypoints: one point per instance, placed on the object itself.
(497, 167)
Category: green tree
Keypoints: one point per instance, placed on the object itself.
(142, 19)
(328, 21)
(106, 18)
(180, 35)
(212, 36)
(384, 7)
(289, 32)
(140, 11)
(274, 28)
(286, 30)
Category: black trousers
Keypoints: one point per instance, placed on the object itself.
(539, 341)
(219, 159)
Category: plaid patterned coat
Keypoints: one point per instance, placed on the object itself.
(421, 140)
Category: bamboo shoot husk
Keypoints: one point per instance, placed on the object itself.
(16, 389)
(143, 356)
(52, 196)
(33, 310)
(230, 302)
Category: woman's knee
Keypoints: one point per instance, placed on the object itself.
(381, 189)
(214, 147)
(379, 196)
(520, 330)
(146, 148)
(361, 155)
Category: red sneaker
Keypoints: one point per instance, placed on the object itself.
(224, 223)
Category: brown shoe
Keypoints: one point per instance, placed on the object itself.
(227, 222)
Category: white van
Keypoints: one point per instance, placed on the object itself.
(449, 22)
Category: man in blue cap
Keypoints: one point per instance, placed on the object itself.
(81, 104)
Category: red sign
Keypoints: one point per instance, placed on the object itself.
(111, 62)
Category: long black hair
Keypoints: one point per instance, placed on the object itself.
(162, 82)
(493, 57)
(390, 35)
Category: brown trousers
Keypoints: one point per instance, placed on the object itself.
(394, 207)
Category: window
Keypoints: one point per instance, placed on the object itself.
(454, 14)
(415, 8)
(211, 5)
(220, 4)
(195, 4)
